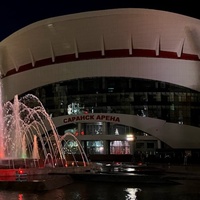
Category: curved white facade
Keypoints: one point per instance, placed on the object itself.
(137, 43)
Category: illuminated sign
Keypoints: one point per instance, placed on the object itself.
(91, 118)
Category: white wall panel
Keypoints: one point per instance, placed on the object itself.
(175, 135)
(184, 73)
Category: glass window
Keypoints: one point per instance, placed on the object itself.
(71, 147)
(150, 145)
(119, 147)
(119, 95)
(116, 129)
(140, 145)
(95, 147)
(94, 129)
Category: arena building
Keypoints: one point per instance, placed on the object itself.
(121, 80)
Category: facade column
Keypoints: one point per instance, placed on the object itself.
(104, 128)
(159, 144)
(106, 147)
(132, 147)
(105, 142)
(79, 128)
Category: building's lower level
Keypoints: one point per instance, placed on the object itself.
(108, 136)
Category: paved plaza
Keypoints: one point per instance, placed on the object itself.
(181, 172)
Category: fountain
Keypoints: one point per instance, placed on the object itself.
(32, 153)
(25, 137)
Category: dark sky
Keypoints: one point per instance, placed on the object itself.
(18, 14)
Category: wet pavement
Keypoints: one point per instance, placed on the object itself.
(189, 172)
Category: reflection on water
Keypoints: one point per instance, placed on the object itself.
(189, 190)
(78, 191)
(132, 193)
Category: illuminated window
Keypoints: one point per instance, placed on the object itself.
(95, 147)
(119, 147)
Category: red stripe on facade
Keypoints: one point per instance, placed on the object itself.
(107, 54)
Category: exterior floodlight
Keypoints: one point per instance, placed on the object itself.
(130, 137)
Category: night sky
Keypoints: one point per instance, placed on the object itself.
(18, 14)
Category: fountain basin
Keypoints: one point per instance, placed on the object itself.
(31, 179)
(38, 179)
(35, 183)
